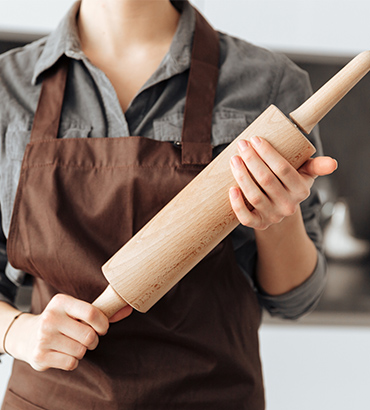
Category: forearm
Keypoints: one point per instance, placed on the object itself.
(286, 255)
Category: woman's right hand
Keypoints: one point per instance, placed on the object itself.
(60, 336)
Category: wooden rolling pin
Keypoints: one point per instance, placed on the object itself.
(200, 216)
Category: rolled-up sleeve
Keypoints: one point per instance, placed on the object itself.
(301, 300)
(293, 89)
(304, 298)
(8, 289)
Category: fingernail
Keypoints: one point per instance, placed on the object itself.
(243, 145)
(256, 141)
(235, 161)
(234, 193)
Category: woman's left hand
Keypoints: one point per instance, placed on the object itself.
(272, 186)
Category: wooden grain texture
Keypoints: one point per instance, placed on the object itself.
(200, 216)
(195, 221)
(316, 107)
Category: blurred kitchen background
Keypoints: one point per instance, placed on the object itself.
(321, 362)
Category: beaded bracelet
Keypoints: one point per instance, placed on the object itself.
(7, 330)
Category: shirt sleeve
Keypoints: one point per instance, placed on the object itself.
(293, 89)
(8, 289)
(300, 300)
(304, 298)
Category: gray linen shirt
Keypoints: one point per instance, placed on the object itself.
(251, 78)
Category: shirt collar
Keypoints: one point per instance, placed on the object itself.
(65, 40)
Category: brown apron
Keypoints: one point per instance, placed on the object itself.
(78, 201)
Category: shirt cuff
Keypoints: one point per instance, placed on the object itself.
(301, 300)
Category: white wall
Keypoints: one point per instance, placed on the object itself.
(316, 367)
(330, 27)
(334, 27)
(31, 16)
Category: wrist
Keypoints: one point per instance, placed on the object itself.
(14, 335)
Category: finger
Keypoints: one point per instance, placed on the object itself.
(54, 323)
(252, 192)
(86, 313)
(47, 360)
(80, 332)
(263, 175)
(70, 317)
(319, 166)
(121, 314)
(244, 215)
(67, 346)
(279, 166)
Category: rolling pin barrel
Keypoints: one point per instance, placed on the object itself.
(200, 216)
(195, 221)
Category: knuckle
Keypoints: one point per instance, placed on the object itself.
(302, 193)
(58, 300)
(305, 193)
(291, 210)
(262, 224)
(264, 147)
(47, 322)
(275, 216)
(80, 353)
(288, 208)
(70, 363)
(283, 169)
(255, 199)
(244, 220)
(105, 327)
(247, 154)
(38, 359)
(89, 338)
(275, 219)
(266, 179)
(237, 206)
(241, 176)
(39, 368)
(90, 314)
(99, 322)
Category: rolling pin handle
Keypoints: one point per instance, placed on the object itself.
(319, 104)
(109, 302)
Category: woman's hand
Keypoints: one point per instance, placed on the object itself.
(60, 336)
(270, 184)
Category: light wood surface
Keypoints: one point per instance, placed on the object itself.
(195, 221)
(109, 302)
(316, 107)
(200, 216)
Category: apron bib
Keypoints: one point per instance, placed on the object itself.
(78, 201)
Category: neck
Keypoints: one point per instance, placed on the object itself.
(108, 24)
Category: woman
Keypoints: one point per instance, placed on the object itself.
(121, 69)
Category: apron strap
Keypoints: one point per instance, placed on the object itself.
(200, 94)
(47, 117)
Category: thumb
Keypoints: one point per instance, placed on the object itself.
(121, 314)
(319, 166)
